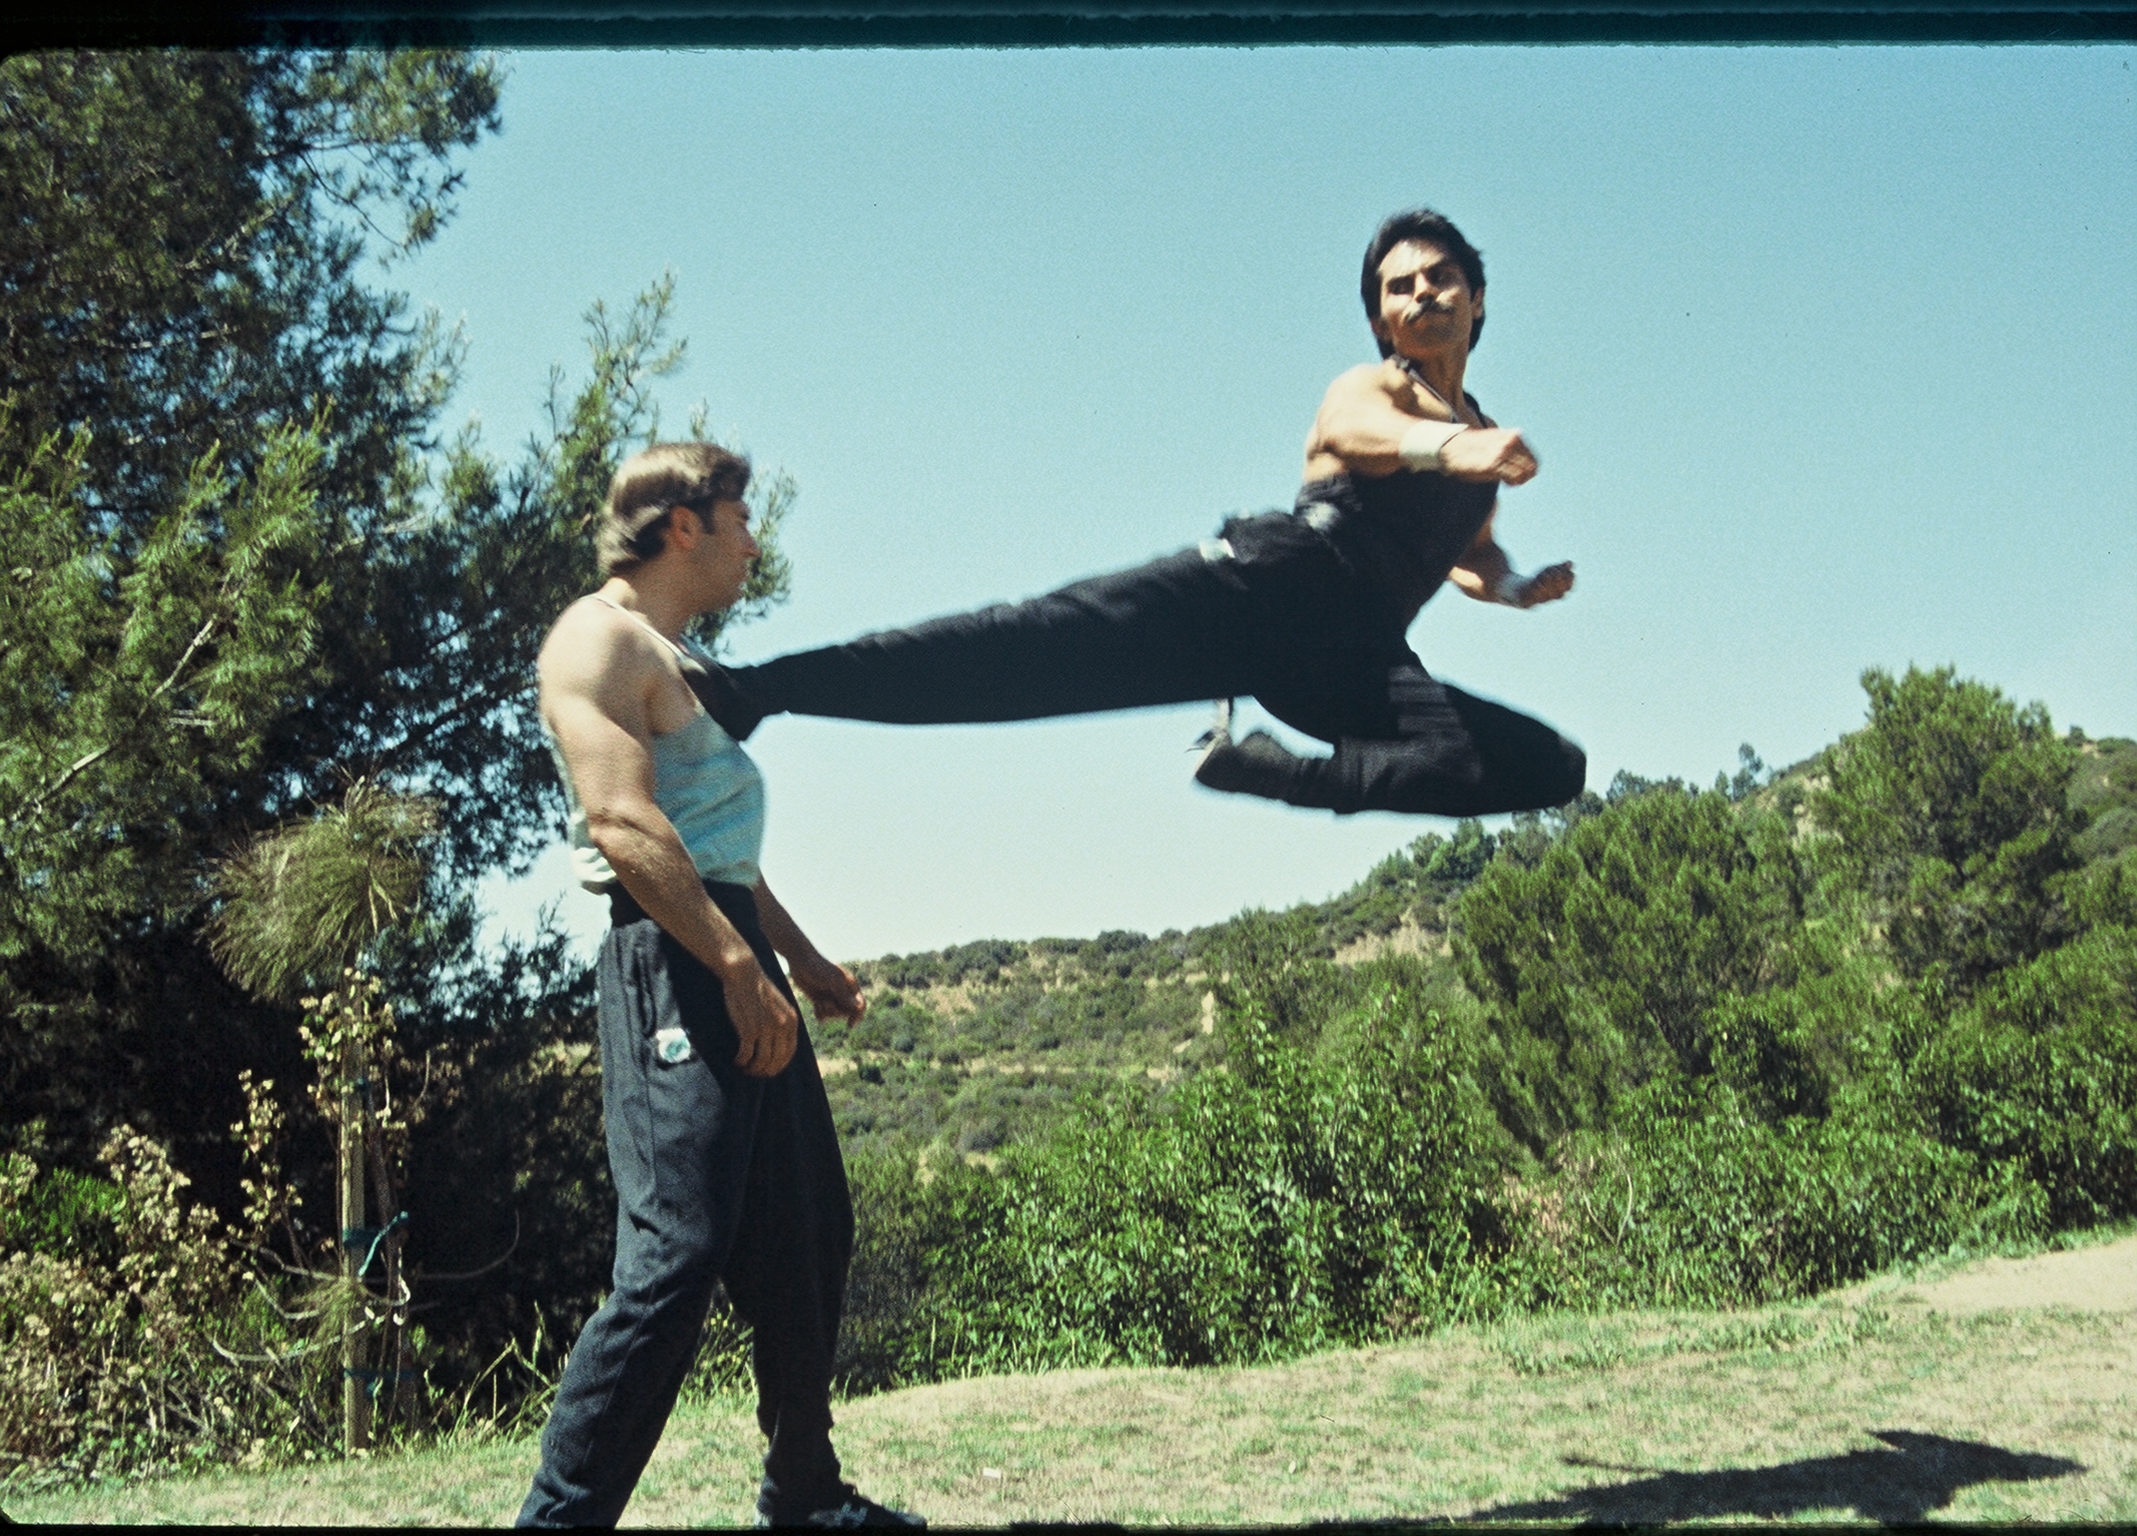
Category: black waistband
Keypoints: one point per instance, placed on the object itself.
(1337, 491)
(732, 899)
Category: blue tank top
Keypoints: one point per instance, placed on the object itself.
(706, 786)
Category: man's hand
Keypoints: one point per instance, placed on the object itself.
(830, 988)
(765, 1022)
(1489, 453)
(1546, 586)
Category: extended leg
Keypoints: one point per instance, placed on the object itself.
(1174, 630)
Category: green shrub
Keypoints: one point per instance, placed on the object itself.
(61, 1213)
(2040, 1070)
(1695, 1198)
(1604, 959)
(1311, 1193)
(133, 1335)
(1788, 1051)
(1950, 813)
(911, 1235)
(2105, 893)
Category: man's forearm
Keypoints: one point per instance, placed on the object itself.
(1488, 576)
(654, 867)
(780, 928)
(1483, 573)
(830, 988)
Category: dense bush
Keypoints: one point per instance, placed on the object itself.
(1757, 1056)
(1787, 1051)
(911, 1235)
(2040, 1071)
(135, 1336)
(1950, 814)
(1327, 1187)
(1696, 1198)
(1604, 961)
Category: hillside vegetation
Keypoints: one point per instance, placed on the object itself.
(1677, 1047)
(971, 1046)
(1670, 1045)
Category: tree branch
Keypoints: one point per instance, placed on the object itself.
(89, 759)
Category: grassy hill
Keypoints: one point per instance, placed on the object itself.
(975, 1045)
(2106, 785)
(1890, 1402)
(978, 1044)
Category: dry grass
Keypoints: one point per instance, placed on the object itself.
(1405, 938)
(2024, 1415)
(1863, 1406)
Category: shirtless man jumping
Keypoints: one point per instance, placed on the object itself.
(1306, 611)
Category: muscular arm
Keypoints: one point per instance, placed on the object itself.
(829, 986)
(1485, 574)
(596, 683)
(1366, 414)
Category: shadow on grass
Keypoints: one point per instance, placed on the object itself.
(1900, 1485)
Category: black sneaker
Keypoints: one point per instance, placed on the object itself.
(1256, 764)
(847, 1509)
(1219, 732)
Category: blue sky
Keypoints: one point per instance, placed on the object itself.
(1829, 354)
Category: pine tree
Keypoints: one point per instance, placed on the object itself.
(1950, 812)
(245, 565)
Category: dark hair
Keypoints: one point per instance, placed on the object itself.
(1425, 225)
(634, 522)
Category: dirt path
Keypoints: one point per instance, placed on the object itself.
(2097, 1279)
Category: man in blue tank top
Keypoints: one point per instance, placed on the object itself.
(1306, 611)
(720, 1139)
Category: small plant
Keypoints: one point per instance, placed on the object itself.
(112, 1332)
(300, 907)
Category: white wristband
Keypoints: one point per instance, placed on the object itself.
(1510, 590)
(1420, 447)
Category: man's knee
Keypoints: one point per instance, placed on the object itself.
(681, 1264)
(1572, 774)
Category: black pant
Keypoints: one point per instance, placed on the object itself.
(1275, 610)
(719, 1177)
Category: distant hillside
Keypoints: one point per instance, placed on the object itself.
(974, 1044)
(980, 1043)
(2106, 785)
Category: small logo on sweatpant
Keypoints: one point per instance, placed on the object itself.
(671, 1046)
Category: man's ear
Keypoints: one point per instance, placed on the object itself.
(684, 528)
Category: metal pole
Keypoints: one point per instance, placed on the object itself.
(355, 1402)
(392, 1340)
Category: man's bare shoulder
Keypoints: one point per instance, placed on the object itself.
(1381, 379)
(593, 649)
